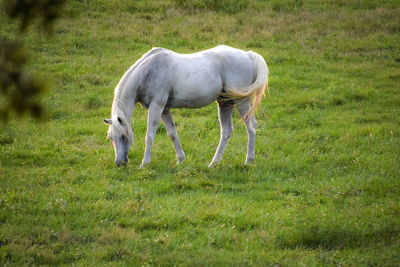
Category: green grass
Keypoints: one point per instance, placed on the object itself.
(324, 189)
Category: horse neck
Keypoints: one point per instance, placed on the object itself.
(126, 92)
(124, 102)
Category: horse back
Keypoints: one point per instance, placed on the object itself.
(236, 67)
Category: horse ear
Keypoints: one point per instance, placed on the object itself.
(107, 121)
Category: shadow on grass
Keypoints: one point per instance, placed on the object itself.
(314, 236)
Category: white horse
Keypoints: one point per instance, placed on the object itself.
(162, 79)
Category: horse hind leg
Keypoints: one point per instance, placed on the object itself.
(172, 134)
(225, 112)
(251, 126)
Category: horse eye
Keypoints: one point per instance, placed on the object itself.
(123, 137)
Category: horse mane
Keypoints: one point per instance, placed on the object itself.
(118, 111)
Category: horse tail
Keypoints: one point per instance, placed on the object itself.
(255, 90)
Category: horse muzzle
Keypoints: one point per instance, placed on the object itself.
(121, 162)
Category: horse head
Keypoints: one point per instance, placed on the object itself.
(121, 136)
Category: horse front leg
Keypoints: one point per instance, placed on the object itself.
(172, 134)
(225, 113)
(153, 118)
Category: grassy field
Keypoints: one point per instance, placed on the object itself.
(324, 189)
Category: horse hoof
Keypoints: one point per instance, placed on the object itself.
(181, 159)
(212, 164)
(248, 161)
(143, 165)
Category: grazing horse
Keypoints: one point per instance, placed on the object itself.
(162, 79)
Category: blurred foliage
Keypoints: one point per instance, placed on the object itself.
(29, 10)
(19, 90)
